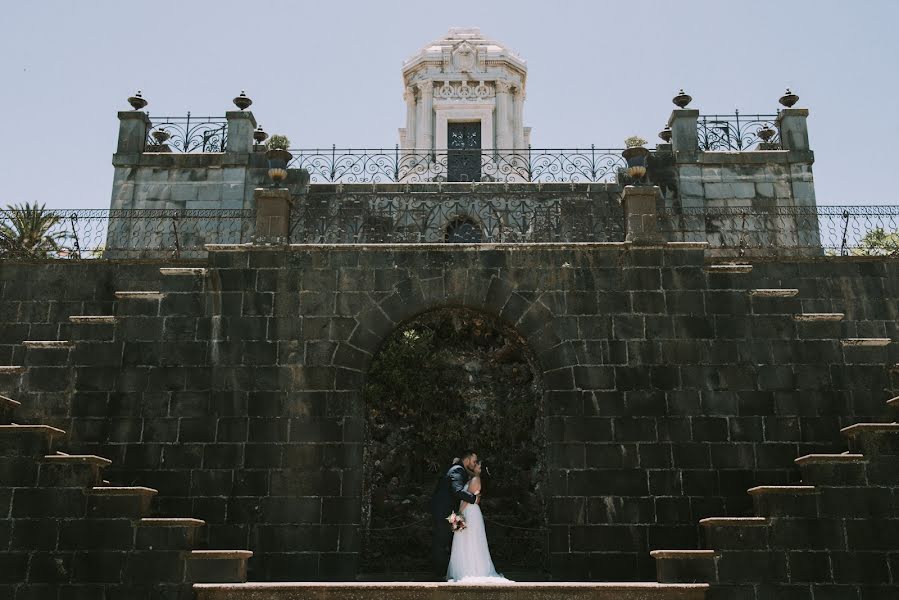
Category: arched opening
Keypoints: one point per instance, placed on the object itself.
(463, 230)
(450, 379)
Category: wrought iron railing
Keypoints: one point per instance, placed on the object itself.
(830, 230)
(137, 233)
(187, 134)
(344, 165)
(448, 218)
(736, 132)
(378, 218)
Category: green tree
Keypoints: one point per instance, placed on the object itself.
(27, 231)
(878, 242)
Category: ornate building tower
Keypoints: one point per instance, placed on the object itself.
(464, 92)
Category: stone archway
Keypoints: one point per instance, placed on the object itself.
(448, 379)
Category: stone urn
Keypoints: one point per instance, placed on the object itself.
(277, 163)
(636, 157)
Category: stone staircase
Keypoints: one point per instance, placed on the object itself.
(834, 536)
(64, 529)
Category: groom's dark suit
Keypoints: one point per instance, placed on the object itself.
(450, 491)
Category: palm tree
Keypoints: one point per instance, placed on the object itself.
(26, 231)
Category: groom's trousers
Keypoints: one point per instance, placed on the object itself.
(441, 542)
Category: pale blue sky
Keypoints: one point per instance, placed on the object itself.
(329, 72)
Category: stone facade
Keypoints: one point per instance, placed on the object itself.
(671, 385)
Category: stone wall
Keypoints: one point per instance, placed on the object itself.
(669, 388)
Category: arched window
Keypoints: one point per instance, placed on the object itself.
(463, 230)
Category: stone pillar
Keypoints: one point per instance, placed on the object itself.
(424, 139)
(684, 135)
(133, 128)
(640, 219)
(518, 120)
(504, 139)
(241, 124)
(793, 126)
(409, 138)
(272, 215)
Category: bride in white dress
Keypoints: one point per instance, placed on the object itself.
(470, 560)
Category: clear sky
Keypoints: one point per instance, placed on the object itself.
(329, 72)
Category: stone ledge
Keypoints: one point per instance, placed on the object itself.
(220, 554)
(687, 245)
(427, 246)
(893, 402)
(92, 319)
(172, 522)
(198, 271)
(729, 268)
(734, 522)
(91, 459)
(450, 591)
(45, 429)
(143, 295)
(11, 370)
(122, 491)
(782, 489)
(865, 342)
(47, 344)
(9, 402)
(859, 428)
(829, 458)
(819, 317)
(774, 292)
(683, 554)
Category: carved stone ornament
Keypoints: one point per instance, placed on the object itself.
(465, 57)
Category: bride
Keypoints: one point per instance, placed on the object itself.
(470, 560)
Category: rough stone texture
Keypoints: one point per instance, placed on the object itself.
(669, 390)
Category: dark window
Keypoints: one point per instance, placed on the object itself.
(464, 151)
(463, 231)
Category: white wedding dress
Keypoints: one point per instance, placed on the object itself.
(470, 560)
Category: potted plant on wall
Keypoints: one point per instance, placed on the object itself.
(278, 157)
(636, 156)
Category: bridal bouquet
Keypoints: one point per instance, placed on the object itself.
(456, 521)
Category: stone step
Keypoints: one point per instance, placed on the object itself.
(8, 407)
(728, 268)
(774, 292)
(865, 342)
(119, 502)
(785, 500)
(449, 591)
(10, 378)
(833, 469)
(893, 402)
(819, 317)
(685, 566)
(873, 439)
(184, 271)
(71, 470)
(53, 353)
(168, 534)
(28, 440)
(735, 533)
(139, 295)
(93, 319)
(217, 566)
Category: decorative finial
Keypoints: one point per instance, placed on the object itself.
(259, 135)
(765, 133)
(242, 101)
(789, 99)
(682, 99)
(665, 134)
(137, 101)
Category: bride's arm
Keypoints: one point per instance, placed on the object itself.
(474, 488)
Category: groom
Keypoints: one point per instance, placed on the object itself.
(447, 496)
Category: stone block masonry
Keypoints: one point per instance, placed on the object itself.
(236, 390)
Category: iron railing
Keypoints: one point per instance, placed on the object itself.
(443, 218)
(187, 134)
(135, 233)
(399, 165)
(830, 230)
(450, 218)
(736, 132)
